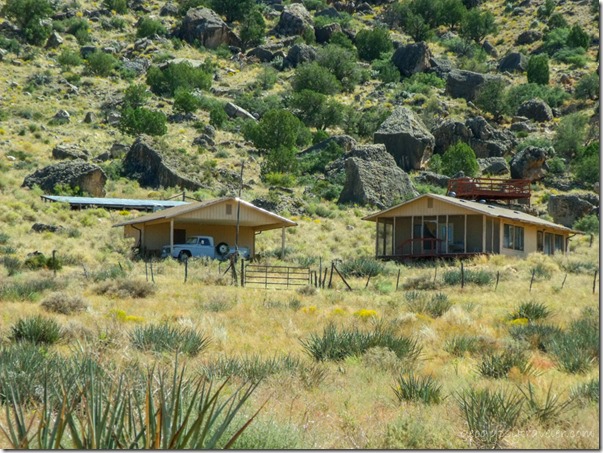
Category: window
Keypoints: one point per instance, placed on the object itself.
(430, 203)
(559, 243)
(513, 237)
(539, 241)
(228, 209)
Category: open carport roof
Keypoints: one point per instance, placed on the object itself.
(270, 220)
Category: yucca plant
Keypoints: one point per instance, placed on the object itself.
(532, 311)
(362, 267)
(587, 392)
(548, 409)
(163, 337)
(490, 415)
(497, 366)
(459, 345)
(569, 354)
(36, 329)
(251, 367)
(537, 335)
(424, 389)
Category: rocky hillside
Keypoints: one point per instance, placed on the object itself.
(325, 103)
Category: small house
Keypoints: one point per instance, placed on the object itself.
(217, 218)
(433, 225)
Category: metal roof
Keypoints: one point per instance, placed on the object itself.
(177, 211)
(115, 203)
(486, 209)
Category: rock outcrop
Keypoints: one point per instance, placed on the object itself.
(530, 163)
(148, 166)
(294, 20)
(406, 138)
(205, 26)
(465, 84)
(535, 109)
(496, 166)
(566, 209)
(88, 178)
(68, 152)
(372, 178)
(298, 54)
(513, 62)
(412, 58)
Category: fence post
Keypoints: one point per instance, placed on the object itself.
(319, 268)
(331, 276)
(497, 278)
(185, 269)
(595, 282)
(324, 279)
(435, 274)
(146, 270)
(564, 278)
(367, 281)
(462, 275)
(54, 263)
(242, 273)
(266, 277)
(398, 280)
(344, 280)
(152, 275)
(532, 279)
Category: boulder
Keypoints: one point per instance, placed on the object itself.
(434, 179)
(204, 26)
(448, 133)
(328, 12)
(298, 54)
(566, 209)
(406, 138)
(530, 163)
(89, 118)
(465, 84)
(87, 177)
(490, 49)
(513, 62)
(54, 40)
(535, 109)
(263, 54)
(150, 168)
(294, 20)
(234, 111)
(169, 9)
(42, 228)
(69, 152)
(528, 37)
(344, 141)
(323, 34)
(412, 58)
(62, 116)
(372, 178)
(440, 66)
(496, 166)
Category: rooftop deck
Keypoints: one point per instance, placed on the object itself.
(490, 189)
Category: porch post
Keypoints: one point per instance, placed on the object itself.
(171, 236)
(142, 237)
(394, 239)
(377, 239)
(412, 235)
(484, 235)
(492, 239)
(446, 235)
(283, 243)
(501, 231)
(465, 241)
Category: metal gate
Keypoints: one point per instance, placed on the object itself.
(276, 277)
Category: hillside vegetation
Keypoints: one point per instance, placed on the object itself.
(407, 358)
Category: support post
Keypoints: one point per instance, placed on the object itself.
(462, 275)
(54, 263)
(376, 246)
(465, 240)
(283, 243)
(394, 238)
(497, 278)
(595, 282)
(324, 280)
(563, 283)
(171, 236)
(152, 275)
(447, 234)
(331, 276)
(185, 269)
(342, 278)
(484, 234)
(242, 273)
(398, 280)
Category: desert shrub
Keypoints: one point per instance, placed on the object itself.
(277, 129)
(249, 367)
(140, 120)
(232, 9)
(538, 336)
(459, 345)
(364, 123)
(587, 224)
(336, 344)
(385, 70)
(341, 63)
(555, 39)
(119, 6)
(424, 389)
(316, 109)
(69, 58)
(163, 337)
(270, 434)
(109, 273)
(459, 157)
(253, 28)
(491, 97)
(362, 267)
(12, 264)
(588, 87)
(435, 306)
(490, 415)
(100, 63)
(40, 261)
(575, 57)
(36, 329)
(185, 101)
(29, 289)
(577, 37)
(135, 96)
(532, 311)
(123, 287)
(422, 83)
(63, 303)
(587, 392)
(164, 82)
(312, 76)
(317, 162)
(372, 43)
(586, 164)
(477, 24)
(570, 133)
(518, 94)
(76, 26)
(498, 365)
(480, 277)
(453, 13)
(147, 27)
(31, 17)
(538, 69)
(10, 45)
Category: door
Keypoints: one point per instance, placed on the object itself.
(430, 234)
(179, 236)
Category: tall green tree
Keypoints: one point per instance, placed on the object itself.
(32, 17)
(277, 128)
(460, 157)
(232, 9)
(253, 29)
(372, 43)
(317, 110)
(491, 97)
(578, 37)
(478, 24)
(453, 12)
(538, 69)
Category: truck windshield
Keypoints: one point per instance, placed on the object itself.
(192, 240)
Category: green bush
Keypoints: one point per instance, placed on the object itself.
(385, 70)
(453, 13)
(36, 329)
(422, 83)
(372, 43)
(587, 392)
(536, 335)
(490, 415)
(119, 6)
(538, 69)
(185, 101)
(577, 37)
(459, 345)
(518, 94)
(362, 267)
(135, 96)
(276, 129)
(435, 306)
(366, 122)
(587, 224)
(253, 29)
(586, 164)
(317, 162)
(31, 16)
(316, 109)
(29, 289)
(570, 133)
(142, 121)
(588, 87)
(477, 24)
(341, 63)
(232, 9)
(575, 57)
(279, 161)
(162, 338)
(422, 389)
(101, 64)
(77, 27)
(314, 77)
(64, 304)
(491, 97)
(69, 58)
(123, 287)
(335, 344)
(147, 27)
(555, 39)
(532, 311)
(460, 157)
(164, 82)
(480, 277)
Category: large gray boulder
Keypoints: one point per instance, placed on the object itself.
(496, 166)
(294, 20)
(528, 37)
(89, 178)
(566, 209)
(406, 138)
(536, 109)
(530, 163)
(69, 152)
(344, 141)
(485, 140)
(513, 62)
(298, 54)
(372, 178)
(204, 26)
(150, 168)
(434, 179)
(323, 34)
(412, 58)
(466, 84)
(234, 111)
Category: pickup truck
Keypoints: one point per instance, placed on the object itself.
(197, 246)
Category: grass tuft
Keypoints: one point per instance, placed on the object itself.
(423, 389)
(162, 338)
(36, 329)
(532, 311)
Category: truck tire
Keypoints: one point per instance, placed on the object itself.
(222, 248)
(184, 255)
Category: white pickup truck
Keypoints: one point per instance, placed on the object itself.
(197, 246)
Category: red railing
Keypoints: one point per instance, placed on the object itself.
(490, 188)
